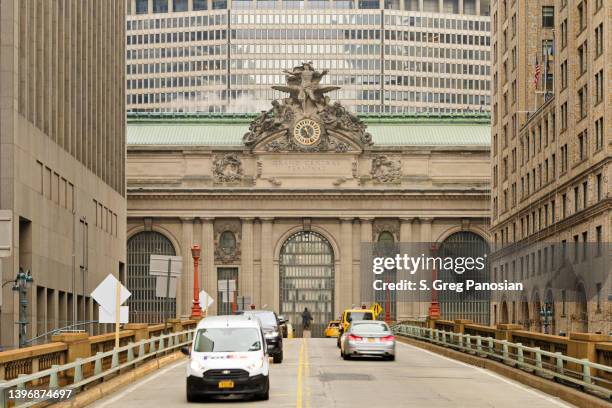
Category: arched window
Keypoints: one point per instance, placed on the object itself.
(387, 299)
(306, 266)
(386, 237)
(473, 305)
(145, 306)
(227, 242)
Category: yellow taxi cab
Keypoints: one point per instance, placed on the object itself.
(353, 314)
(332, 329)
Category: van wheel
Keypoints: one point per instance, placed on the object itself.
(264, 396)
(191, 396)
(278, 358)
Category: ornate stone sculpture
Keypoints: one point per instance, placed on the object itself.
(307, 121)
(227, 168)
(385, 169)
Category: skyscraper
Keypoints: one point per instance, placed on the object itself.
(551, 162)
(62, 132)
(393, 56)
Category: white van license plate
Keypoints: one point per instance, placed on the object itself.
(226, 384)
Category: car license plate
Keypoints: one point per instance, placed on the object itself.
(226, 384)
(372, 340)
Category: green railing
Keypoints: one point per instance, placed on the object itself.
(582, 373)
(83, 371)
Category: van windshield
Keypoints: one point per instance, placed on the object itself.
(224, 339)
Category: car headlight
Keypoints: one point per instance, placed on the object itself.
(271, 334)
(255, 365)
(197, 365)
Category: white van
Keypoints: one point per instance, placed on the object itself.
(228, 355)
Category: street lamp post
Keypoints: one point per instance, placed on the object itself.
(23, 282)
(196, 310)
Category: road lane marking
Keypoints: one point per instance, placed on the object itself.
(307, 373)
(139, 384)
(489, 373)
(298, 398)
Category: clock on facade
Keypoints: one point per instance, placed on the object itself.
(307, 132)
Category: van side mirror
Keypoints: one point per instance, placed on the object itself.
(185, 351)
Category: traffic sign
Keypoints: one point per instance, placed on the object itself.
(106, 296)
(205, 300)
(376, 309)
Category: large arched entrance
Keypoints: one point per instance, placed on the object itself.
(473, 305)
(144, 306)
(306, 266)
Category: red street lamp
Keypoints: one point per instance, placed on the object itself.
(196, 309)
(434, 307)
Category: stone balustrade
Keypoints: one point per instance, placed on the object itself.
(67, 347)
(594, 347)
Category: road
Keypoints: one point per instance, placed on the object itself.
(313, 375)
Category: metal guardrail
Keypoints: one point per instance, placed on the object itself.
(554, 366)
(79, 378)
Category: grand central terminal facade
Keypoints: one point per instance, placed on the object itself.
(282, 202)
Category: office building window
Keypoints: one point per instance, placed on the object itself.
(582, 15)
(142, 6)
(599, 86)
(200, 5)
(180, 5)
(599, 241)
(599, 40)
(548, 17)
(160, 6)
(599, 179)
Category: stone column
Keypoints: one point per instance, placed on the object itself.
(426, 229)
(346, 262)
(208, 276)
(460, 6)
(184, 295)
(441, 6)
(425, 234)
(266, 283)
(406, 306)
(247, 279)
(406, 233)
(356, 265)
(366, 238)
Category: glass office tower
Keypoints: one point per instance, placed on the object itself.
(389, 56)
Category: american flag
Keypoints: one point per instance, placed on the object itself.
(537, 73)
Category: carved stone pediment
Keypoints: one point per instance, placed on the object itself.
(306, 121)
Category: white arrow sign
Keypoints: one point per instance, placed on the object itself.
(205, 300)
(106, 296)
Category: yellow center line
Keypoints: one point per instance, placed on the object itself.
(307, 373)
(298, 399)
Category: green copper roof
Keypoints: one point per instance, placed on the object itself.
(228, 129)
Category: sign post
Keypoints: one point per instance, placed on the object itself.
(117, 312)
(167, 270)
(110, 294)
